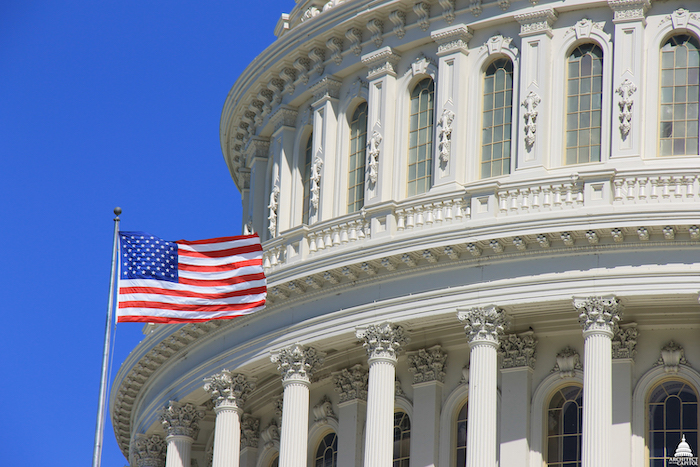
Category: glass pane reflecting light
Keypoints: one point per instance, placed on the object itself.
(420, 148)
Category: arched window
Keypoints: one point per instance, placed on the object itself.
(680, 73)
(583, 104)
(275, 462)
(402, 439)
(564, 422)
(356, 163)
(496, 119)
(306, 178)
(672, 414)
(420, 144)
(461, 429)
(327, 452)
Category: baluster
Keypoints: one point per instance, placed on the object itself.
(513, 196)
(430, 214)
(536, 198)
(410, 218)
(312, 242)
(335, 235)
(525, 204)
(642, 195)
(618, 188)
(630, 188)
(666, 189)
(448, 209)
(344, 233)
(419, 216)
(654, 188)
(438, 211)
(502, 202)
(400, 219)
(352, 231)
(678, 192)
(547, 201)
(557, 195)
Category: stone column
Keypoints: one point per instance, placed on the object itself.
(598, 317)
(483, 326)
(297, 364)
(148, 451)
(519, 353)
(351, 384)
(624, 345)
(250, 434)
(427, 366)
(181, 423)
(383, 342)
(229, 392)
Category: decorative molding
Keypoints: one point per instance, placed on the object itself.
(250, 431)
(323, 411)
(624, 342)
(326, 87)
(398, 390)
(598, 314)
(398, 19)
(382, 340)
(272, 208)
(227, 388)
(376, 27)
(373, 157)
(315, 191)
(625, 90)
(504, 4)
(568, 361)
(448, 10)
(475, 8)
(149, 451)
(358, 88)
(421, 64)
(427, 365)
(297, 362)
(422, 10)
(629, 10)
(302, 65)
(283, 116)
(351, 383)
(536, 22)
(530, 104)
(519, 350)
(452, 39)
(181, 419)
(672, 356)
(278, 405)
(288, 75)
(335, 45)
(354, 35)
(483, 324)
(317, 56)
(381, 62)
(445, 135)
(679, 18)
(310, 12)
(584, 27)
(270, 435)
(496, 44)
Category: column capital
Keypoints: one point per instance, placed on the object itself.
(149, 451)
(598, 314)
(381, 62)
(382, 341)
(181, 419)
(284, 116)
(536, 22)
(229, 389)
(297, 362)
(351, 383)
(519, 350)
(250, 431)
(427, 365)
(452, 39)
(624, 342)
(483, 324)
(629, 10)
(325, 88)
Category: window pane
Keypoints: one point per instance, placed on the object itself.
(584, 99)
(420, 137)
(564, 425)
(496, 118)
(356, 166)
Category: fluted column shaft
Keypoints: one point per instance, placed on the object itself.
(295, 423)
(482, 411)
(379, 439)
(227, 435)
(179, 451)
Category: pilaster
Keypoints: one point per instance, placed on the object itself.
(181, 424)
(483, 326)
(381, 108)
(383, 342)
(427, 366)
(258, 187)
(628, 75)
(535, 87)
(599, 318)
(296, 364)
(229, 392)
(351, 384)
(623, 351)
(250, 435)
(451, 109)
(284, 171)
(518, 353)
(148, 451)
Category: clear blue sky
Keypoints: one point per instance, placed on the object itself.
(102, 104)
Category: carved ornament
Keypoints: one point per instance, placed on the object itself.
(422, 10)
(427, 365)
(629, 10)
(323, 411)
(227, 388)
(398, 19)
(272, 208)
(484, 324)
(672, 356)
(536, 22)
(381, 62)
(297, 362)
(598, 314)
(351, 383)
(624, 342)
(149, 451)
(181, 419)
(354, 35)
(382, 340)
(530, 104)
(519, 350)
(376, 27)
(445, 135)
(373, 156)
(326, 87)
(625, 91)
(315, 179)
(270, 435)
(568, 361)
(250, 431)
(452, 39)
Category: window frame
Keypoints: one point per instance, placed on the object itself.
(513, 114)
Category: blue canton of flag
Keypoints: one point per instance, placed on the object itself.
(147, 257)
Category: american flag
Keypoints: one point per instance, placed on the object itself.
(182, 281)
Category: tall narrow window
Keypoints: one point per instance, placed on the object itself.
(358, 144)
(496, 120)
(564, 427)
(306, 179)
(680, 72)
(402, 439)
(461, 427)
(327, 452)
(420, 145)
(583, 104)
(672, 414)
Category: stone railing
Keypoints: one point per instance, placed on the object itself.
(639, 188)
(541, 197)
(339, 232)
(413, 215)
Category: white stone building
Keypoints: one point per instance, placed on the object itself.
(524, 171)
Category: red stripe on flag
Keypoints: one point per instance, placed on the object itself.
(220, 253)
(170, 320)
(216, 240)
(189, 293)
(221, 267)
(196, 308)
(229, 281)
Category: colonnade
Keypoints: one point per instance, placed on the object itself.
(484, 327)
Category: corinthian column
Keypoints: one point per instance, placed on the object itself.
(148, 451)
(599, 317)
(229, 392)
(296, 364)
(383, 342)
(181, 423)
(483, 327)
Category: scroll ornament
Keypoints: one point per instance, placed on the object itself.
(373, 153)
(530, 103)
(625, 90)
(444, 145)
(316, 182)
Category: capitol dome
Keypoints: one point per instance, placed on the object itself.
(683, 449)
(481, 226)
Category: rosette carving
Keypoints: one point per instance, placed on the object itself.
(484, 323)
(382, 340)
(182, 419)
(598, 313)
(427, 365)
(297, 362)
(229, 388)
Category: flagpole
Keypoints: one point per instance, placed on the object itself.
(99, 430)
